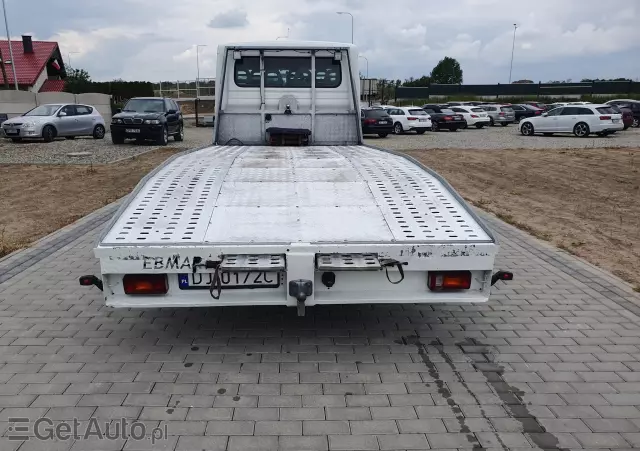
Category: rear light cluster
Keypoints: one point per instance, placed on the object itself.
(474, 115)
(412, 118)
(370, 121)
(500, 114)
(605, 118)
(449, 280)
(447, 118)
(145, 284)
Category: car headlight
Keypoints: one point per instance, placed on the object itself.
(28, 124)
(152, 121)
(116, 121)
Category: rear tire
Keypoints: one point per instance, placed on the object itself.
(99, 132)
(491, 122)
(454, 129)
(504, 124)
(479, 125)
(625, 127)
(69, 137)
(420, 132)
(636, 122)
(117, 138)
(397, 128)
(435, 127)
(465, 126)
(581, 130)
(48, 133)
(383, 135)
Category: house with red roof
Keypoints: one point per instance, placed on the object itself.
(38, 65)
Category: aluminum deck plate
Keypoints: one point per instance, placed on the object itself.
(253, 194)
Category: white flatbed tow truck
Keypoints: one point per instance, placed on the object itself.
(288, 207)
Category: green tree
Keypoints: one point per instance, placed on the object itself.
(447, 72)
(77, 81)
(417, 82)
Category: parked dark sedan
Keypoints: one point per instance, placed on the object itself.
(627, 115)
(376, 122)
(444, 118)
(632, 105)
(524, 110)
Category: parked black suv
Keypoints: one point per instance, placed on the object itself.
(376, 121)
(145, 118)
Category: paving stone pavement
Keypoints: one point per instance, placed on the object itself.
(551, 362)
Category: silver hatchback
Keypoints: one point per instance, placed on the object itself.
(500, 114)
(52, 120)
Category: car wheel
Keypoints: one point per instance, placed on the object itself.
(397, 128)
(180, 135)
(454, 129)
(420, 132)
(581, 130)
(548, 134)
(69, 137)
(383, 135)
(16, 140)
(504, 124)
(636, 122)
(527, 129)
(99, 131)
(625, 127)
(479, 125)
(491, 122)
(48, 133)
(163, 139)
(465, 125)
(435, 127)
(117, 138)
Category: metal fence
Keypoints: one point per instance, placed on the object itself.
(186, 89)
(524, 89)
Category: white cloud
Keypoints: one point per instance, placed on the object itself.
(561, 39)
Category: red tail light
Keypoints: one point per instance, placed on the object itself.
(370, 121)
(605, 118)
(412, 118)
(501, 114)
(449, 280)
(474, 115)
(447, 118)
(145, 284)
(538, 112)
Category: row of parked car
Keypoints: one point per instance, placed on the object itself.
(561, 117)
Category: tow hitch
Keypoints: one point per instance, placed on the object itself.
(501, 275)
(87, 281)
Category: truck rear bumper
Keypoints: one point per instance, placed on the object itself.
(348, 287)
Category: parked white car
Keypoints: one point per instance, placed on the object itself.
(473, 116)
(53, 120)
(409, 118)
(581, 120)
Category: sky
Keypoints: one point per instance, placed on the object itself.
(156, 40)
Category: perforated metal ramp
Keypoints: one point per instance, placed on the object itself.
(251, 194)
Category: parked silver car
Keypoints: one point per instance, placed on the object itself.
(53, 120)
(500, 114)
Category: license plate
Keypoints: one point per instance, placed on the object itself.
(616, 121)
(132, 130)
(11, 132)
(422, 120)
(234, 280)
(382, 122)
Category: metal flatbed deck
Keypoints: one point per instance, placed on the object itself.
(279, 195)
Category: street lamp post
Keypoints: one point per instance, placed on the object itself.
(198, 69)
(13, 64)
(69, 57)
(513, 47)
(367, 60)
(345, 12)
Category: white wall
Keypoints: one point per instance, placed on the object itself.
(15, 103)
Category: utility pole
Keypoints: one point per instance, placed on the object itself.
(344, 12)
(513, 47)
(13, 64)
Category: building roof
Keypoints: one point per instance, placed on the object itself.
(52, 86)
(28, 65)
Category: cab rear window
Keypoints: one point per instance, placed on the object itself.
(376, 113)
(506, 108)
(287, 72)
(605, 110)
(418, 112)
(477, 110)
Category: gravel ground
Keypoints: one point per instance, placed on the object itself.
(100, 150)
(502, 138)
